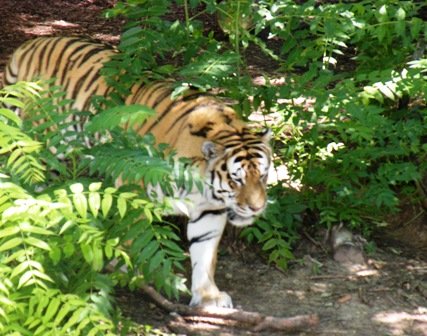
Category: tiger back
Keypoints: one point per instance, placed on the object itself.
(233, 160)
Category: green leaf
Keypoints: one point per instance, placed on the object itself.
(98, 258)
(87, 252)
(149, 250)
(94, 203)
(122, 206)
(26, 227)
(51, 310)
(77, 316)
(155, 261)
(106, 203)
(63, 312)
(148, 214)
(110, 190)
(11, 230)
(77, 188)
(19, 269)
(8, 114)
(400, 14)
(25, 278)
(37, 243)
(95, 186)
(68, 224)
(10, 244)
(124, 115)
(383, 11)
(55, 254)
(12, 101)
(271, 243)
(80, 203)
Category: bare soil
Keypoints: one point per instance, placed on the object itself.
(386, 297)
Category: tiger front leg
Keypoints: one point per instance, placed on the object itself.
(204, 232)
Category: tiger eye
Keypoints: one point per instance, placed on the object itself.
(224, 166)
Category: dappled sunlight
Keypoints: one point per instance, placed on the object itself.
(299, 294)
(38, 30)
(320, 287)
(366, 272)
(48, 27)
(110, 38)
(402, 323)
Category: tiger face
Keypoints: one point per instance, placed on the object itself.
(238, 176)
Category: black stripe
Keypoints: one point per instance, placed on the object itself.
(91, 76)
(239, 158)
(213, 212)
(49, 55)
(166, 112)
(11, 73)
(151, 89)
(204, 130)
(235, 143)
(41, 56)
(139, 92)
(95, 76)
(88, 101)
(79, 61)
(79, 83)
(60, 58)
(31, 53)
(254, 155)
(183, 115)
(203, 237)
(92, 52)
(161, 97)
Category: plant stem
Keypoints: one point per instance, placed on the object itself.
(187, 18)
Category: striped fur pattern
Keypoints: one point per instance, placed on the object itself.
(233, 159)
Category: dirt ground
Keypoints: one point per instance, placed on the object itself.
(388, 296)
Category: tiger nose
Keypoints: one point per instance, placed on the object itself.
(255, 208)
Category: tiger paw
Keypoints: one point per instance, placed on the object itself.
(222, 300)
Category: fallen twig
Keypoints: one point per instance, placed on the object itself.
(232, 317)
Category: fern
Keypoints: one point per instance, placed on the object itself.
(87, 227)
(21, 161)
(119, 116)
(54, 244)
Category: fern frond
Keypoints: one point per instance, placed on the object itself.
(20, 93)
(132, 164)
(123, 115)
(50, 312)
(17, 147)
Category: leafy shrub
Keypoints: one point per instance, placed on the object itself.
(60, 227)
(354, 146)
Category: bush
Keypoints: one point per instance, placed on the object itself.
(351, 111)
(60, 227)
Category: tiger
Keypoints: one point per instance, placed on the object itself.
(232, 159)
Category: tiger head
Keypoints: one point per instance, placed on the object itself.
(237, 171)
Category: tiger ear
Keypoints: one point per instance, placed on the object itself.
(210, 150)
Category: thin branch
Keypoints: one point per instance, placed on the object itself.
(232, 317)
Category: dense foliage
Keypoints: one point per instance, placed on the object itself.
(344, 84)
(60, 227)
